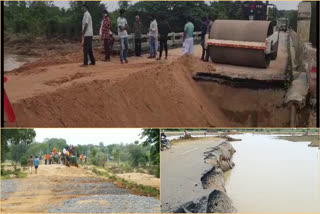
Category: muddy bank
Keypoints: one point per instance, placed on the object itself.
(314, 139)
(217, 201)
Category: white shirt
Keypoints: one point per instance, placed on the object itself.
(87, 20)
(154, 29)
(121, 21)
(64, 151)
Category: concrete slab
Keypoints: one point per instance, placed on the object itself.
(181, 169)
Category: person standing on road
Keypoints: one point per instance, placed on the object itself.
(153, 37)
(87, 34)
(209, 26)
(36, 164)
(105, 34)
(137, 29)
(123, 34)
(204, 30)
(45, 159)
(164, 30)
(30, 161)
(188, 37)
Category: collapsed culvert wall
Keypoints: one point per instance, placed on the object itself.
(220, 158)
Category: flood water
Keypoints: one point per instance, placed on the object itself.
(12, 61)
(273, 175)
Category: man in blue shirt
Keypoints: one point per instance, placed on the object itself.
(36, 164)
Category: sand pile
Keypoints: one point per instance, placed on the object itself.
(140, 94)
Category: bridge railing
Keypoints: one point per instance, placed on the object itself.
(174, 40)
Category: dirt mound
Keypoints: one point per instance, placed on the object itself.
(141, 178)
(161, 94)
(143, 93)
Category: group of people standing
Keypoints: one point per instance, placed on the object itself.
(157, 34)
(33, 163)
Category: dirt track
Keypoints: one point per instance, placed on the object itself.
(54, 185)
(143, 93)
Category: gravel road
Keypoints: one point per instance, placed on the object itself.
(109, 204)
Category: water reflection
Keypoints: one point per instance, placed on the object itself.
(273, 175)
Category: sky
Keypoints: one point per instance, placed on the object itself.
(113, 5)
(90, 136)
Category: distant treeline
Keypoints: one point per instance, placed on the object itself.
(39, 18)
(43, 18)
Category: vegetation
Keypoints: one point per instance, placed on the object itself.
(127, 157)
(136, 188)
(28, 19)
(18, 145)
(18, 140)
(17, 173)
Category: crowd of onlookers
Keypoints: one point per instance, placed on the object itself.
(158, 36)
(67, 157)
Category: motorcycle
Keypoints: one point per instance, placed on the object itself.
(165, 143)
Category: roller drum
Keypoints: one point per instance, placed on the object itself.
(240, 30)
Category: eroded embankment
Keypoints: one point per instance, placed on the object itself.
(161, 95)
(139, 94)
(217, 201)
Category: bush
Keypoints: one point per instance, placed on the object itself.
(24, 161)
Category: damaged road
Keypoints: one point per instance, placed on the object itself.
(58, 93)
(61, 189)
(192, 176)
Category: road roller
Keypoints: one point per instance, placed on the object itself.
(252, 42)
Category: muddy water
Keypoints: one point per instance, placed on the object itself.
(12, 61)
(273, 175)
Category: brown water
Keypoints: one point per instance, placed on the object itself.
(274, 176)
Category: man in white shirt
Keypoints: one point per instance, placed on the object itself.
(122, 25)
(153, 37)
(87, 33)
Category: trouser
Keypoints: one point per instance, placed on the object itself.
(45, 162)
(205, 54)
(153, 46)
(87, 50)
(188, 46)
(137, 43)
(106, 49)
(163, 44)
(123, 48)
(30, 167)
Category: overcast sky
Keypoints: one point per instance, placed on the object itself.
(90, 136)
(113, 5)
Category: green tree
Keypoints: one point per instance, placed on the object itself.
(138, 156)
(116, 155)
(14, 137)
(18, 140)
(152, 138)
